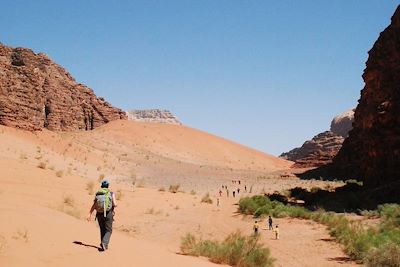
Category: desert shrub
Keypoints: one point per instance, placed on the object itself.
(22, 234)
(68, 200)
(390, 214)
(206, 199)
(370, 214)
(388, 255)
(192, 192)
(247, 205)
(42, 165)
(173, 188)
(119, 194)
(101, 177)
(59, 173)
(90, 187)
(235, 250)
(161, 189)
(150, 211)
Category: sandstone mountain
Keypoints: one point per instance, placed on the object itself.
(36, 93)
(372, 150)
(324, 146)
(343, 123)
(153, 115)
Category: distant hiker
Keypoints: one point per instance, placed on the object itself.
(276, 231)
(104, 204)
(233, 192)
(255, 227)
(227, 192)
(217, 202)
(220, 192)
(270, 223)
(245, 188)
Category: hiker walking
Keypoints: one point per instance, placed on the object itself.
(220, 192)
(255, 228)
(270, 223)
(217, 202)
(104, 204)
(245, 188)
(276, 231)
(227, 192)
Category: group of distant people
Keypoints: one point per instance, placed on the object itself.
(270, 227)
(234, 192)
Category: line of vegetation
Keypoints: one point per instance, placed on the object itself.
(375, 246)
(235, 250)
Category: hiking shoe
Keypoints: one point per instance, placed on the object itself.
(102, 248)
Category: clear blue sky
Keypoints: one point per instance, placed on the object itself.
(267, 74)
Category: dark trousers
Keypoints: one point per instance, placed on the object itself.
(105, 224)
(270, 226)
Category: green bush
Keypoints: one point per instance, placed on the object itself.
(388, 255)
(235, 250)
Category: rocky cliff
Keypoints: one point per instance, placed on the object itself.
(36, 93)
(153, 115)
(372, 150)
(321, 149)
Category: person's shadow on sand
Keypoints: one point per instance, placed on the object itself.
(87, 245)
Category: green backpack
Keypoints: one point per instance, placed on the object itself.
(103, 201)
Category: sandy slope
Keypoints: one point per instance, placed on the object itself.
(43, 208)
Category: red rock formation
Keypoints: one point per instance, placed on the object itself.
(372, 150)
(36, 93)
(323, 147)
(316, 152)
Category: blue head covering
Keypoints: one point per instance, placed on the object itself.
(105, 184)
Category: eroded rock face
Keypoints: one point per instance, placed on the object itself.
(323, 147)
(36, 93)
(372, 150)
(316, 152)
(153, 115)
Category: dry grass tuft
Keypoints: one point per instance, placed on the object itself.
(207, 199)
(90, 187)
(69, 200)
(119, 194)
(174, 188)
(42, 165)
(22, 235)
